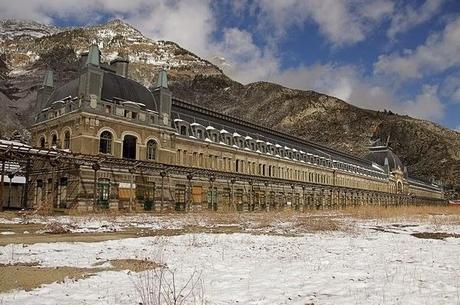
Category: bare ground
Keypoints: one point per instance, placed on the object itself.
(30, 276)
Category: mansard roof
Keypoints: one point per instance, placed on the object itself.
(197, 114)
(379, 154)
(116, 86)
(113, 87)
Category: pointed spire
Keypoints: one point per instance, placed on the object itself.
(94, 55)
(162, 81)
(48, 80)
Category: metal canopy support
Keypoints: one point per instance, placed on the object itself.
(38, 157)
(2, 182)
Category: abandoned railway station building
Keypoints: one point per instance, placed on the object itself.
(120, 145)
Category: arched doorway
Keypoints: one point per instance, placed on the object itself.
(129, 147)
(399, 187)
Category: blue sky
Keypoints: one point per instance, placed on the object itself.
(378, 54)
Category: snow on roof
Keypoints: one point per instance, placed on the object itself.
(260, 141)
(133, 103)
(268, 143)
(278, 146)
(16, 179)
(224, 131)
(210, 128)
(8, 142)
(196, 124)
(287, 148)
(178, 120)
(376, 166)
(248, 138)
(235, 134)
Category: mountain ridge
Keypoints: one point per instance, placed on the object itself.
(429, 149)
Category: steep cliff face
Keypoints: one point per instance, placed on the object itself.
(27, 49)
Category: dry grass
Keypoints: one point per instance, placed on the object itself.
(428, 213)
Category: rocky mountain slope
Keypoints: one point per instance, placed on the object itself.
(27, 49)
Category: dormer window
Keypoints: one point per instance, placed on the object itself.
(225, 137)
(198, 131)
(212, 134)
(261, 146)
(237, 141)
(181, 127)
(249, 143)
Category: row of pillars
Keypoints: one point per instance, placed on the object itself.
(305, 197)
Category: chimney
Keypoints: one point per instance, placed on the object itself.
(120, 65)
(83, 59)
(163, 97)
(91, 77)
(44, 92)
(94, 56)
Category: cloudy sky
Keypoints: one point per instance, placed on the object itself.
(378, 54)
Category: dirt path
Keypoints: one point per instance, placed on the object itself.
(30, 276)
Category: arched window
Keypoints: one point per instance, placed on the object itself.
(129, 147)
(151, 150)
(42, 142)
(54, 140)
(67, 139)
(105, 142)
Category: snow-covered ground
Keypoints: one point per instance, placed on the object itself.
(377, 263)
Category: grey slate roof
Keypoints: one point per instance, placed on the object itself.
(116, 86)
(194, 113)
(378, 155)
(113, 86)
(60, 93)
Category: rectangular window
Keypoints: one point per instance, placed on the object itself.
(108, 109)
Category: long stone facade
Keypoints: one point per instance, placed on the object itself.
(220, 162)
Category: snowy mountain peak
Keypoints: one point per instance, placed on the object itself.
(22, 29)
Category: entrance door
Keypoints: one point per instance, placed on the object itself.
(103, 188)
(129, 147)
(180, 198)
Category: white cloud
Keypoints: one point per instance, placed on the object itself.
(439, 53)
(426, 105)
(341, 22)
(245, 61)
(451, 88)
(409, 16)
(187, 22)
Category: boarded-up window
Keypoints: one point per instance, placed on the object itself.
(197, 194)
